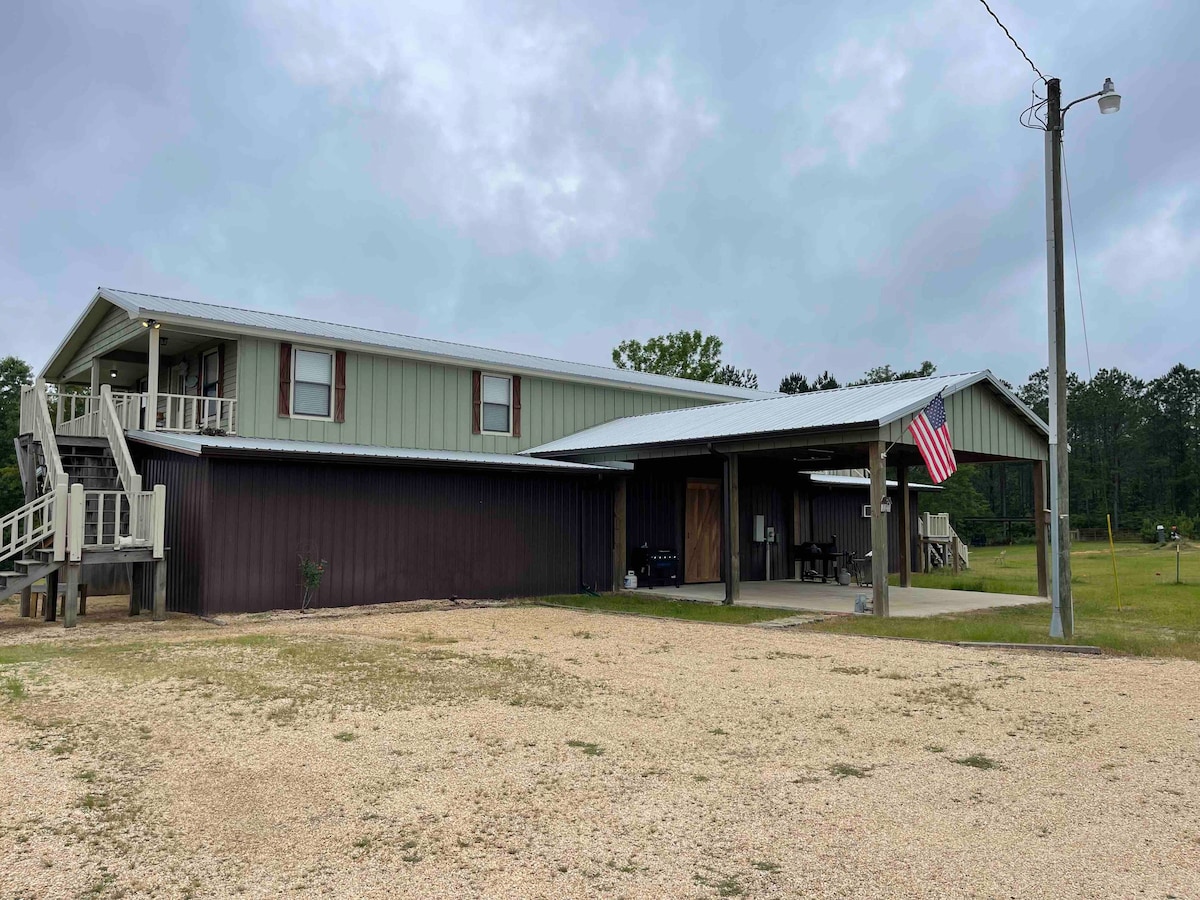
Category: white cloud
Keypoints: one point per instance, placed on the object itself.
(871, 79)
(1158, 250)
(505, 121)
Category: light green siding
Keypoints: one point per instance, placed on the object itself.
(405, 403)
(113, 330)
(980, 422)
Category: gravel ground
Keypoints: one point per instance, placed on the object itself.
(533, 752)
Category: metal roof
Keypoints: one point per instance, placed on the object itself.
(867, 405)
(203, 445)
(856, 481)
(170, 310)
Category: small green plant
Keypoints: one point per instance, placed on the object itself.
(589, 749)
(766, 866)
(13, 688)
(850, 670)
(311, 573)
(717, 731)
(935, 748)
(978, 761)
(345, 736)
(845, 770)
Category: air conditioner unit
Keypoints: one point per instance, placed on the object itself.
(867, 511)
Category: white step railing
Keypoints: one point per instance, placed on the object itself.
(117, 520)
(79, 414)
(114, 430)
(32, 524)
(183, 412)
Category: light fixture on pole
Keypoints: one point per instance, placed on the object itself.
(1062, 618)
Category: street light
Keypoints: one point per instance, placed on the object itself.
(1062, 618)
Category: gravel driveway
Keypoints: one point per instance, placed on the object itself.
(532, 752)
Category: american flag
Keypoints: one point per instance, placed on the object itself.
(932, 435)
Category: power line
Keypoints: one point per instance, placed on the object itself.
(1013, 39)
(1075, 249)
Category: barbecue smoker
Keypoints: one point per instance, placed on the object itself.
(656, 568)
(818, 559)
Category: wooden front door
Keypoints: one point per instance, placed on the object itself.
(702, 532)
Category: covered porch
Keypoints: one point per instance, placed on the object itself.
(806, 596)
(734, 490)
(162, 376)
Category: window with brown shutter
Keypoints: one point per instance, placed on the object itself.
(339, 386)
(476, 400)
(285, 380)
(516, 405)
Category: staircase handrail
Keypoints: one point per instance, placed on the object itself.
(110, 424)
(31, 524)
(43, 433)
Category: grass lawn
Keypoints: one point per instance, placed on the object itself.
(1157, 617)
(669, 608)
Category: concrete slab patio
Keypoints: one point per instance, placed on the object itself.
(834, 598)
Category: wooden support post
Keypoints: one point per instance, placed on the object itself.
(905, 528)
(50, 604)
(71, 597)
(732, 543)
(1039, 527)
(83, 592)
(97, 379)
(620, 539)
(160, 590)
(879, 545)
(24, 608)
(151, 423)
(954, 561)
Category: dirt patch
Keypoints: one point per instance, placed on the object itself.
(534, 752)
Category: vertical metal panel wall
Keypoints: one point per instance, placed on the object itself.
(189, 524)
(839, 511)
(396, 533)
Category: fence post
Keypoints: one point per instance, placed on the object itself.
(75, 515)
(159, 519)
(60, 520)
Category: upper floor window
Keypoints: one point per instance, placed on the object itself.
(497, 404)
(312, 383)
(210, 385)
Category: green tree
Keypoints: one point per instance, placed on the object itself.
(881, 374)
(795, 383)
(14, 374)
(682, 354)
(728, 374)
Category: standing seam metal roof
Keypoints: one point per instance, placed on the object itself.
(198, 444)
(151, 305)
(863, 405)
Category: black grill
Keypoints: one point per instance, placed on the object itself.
(656, 568)
(819, 559)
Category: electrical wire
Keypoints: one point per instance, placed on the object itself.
(1075, 248)
(1013, 39)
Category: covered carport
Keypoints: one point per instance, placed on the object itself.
(860, 427)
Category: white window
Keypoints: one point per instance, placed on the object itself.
(497, 404)
(312, 383)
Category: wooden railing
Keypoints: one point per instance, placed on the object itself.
(117, 520)
(113, 429)
(31, 524)
(79, 414)
(35, 421)
(183, 412)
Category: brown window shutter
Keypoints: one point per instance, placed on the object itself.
(339, 386)
(516, 406)
(220, 370)
(285, 380)
(476, 400)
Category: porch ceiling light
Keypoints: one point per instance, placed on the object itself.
(112, 373)
(151, 323)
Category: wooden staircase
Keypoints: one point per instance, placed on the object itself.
(87, 503)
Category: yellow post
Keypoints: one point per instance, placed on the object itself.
(1112, 548)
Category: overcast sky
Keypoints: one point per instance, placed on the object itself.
(822, 187)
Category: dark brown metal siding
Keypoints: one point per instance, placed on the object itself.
(839, 511)
(654, 513)
(398, 533)
(188, 526)
(596, 535)
(773, 502)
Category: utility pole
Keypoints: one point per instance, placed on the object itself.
(1062, 621)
